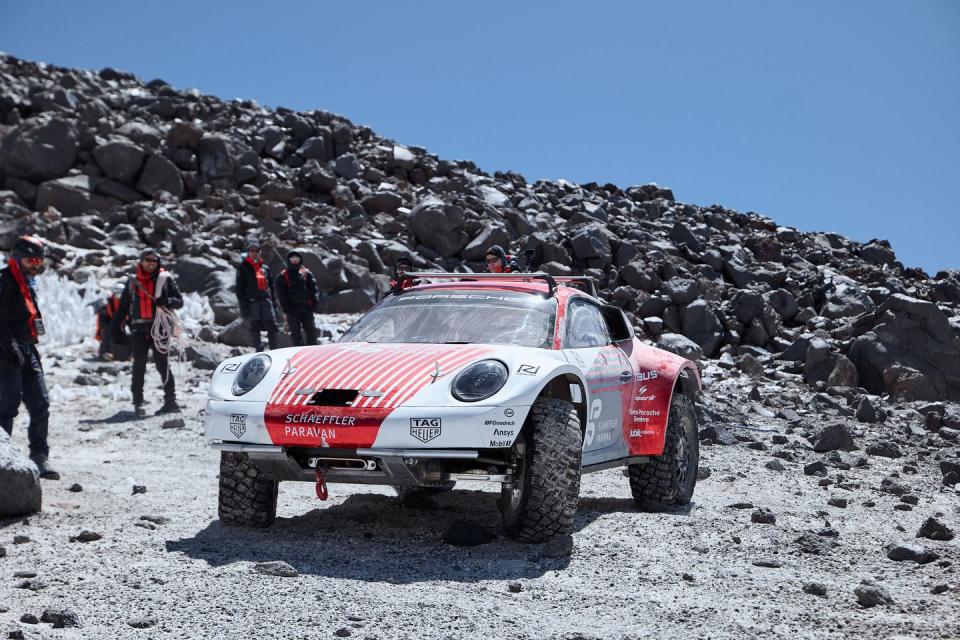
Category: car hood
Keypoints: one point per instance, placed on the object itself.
(386, 375)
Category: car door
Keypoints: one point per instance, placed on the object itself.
(609, 378)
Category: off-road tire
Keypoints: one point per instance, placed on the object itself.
(247, 497)
(668, 480)
(548, 453)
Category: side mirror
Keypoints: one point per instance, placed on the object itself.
(617, 323)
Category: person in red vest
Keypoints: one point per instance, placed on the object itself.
(21, 373)
(401, 280)
(106, 310)
(150, 288)
(257, 297)
(297, 292)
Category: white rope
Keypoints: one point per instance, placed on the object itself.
(167, 331)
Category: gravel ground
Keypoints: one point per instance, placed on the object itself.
(369, 568)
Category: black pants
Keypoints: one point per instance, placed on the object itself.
(260, 317)
(142, 343)
(25, 384)
(300, 319)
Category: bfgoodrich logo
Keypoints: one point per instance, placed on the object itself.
(424, 429)
(238, 424)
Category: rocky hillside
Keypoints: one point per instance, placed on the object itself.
(101, 164)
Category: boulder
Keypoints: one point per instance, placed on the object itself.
(119, 160)
(833, 437)
(439, 226)
(382, 202)
(21, 494)
(844, 298)
(489, 236)
(591, 245)
(40, 149)
(159, 174)
(911, 352)
(347, 301)
(73, 196)
(701, 324)
(214, 156)
(680, 345)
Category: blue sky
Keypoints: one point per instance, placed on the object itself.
(834, 116)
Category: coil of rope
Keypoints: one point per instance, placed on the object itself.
(167, 331)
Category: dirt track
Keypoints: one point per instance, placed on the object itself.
(370, 568)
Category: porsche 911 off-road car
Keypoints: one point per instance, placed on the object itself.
(522, 379)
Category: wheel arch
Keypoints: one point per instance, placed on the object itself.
(561, 387)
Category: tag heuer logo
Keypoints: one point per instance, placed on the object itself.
(238, 424)
(424, 429)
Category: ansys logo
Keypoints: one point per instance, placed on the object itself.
(424, 429)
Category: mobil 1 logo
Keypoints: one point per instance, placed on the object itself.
(424, 429)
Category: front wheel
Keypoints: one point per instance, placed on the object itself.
(668, 480)
(542, 499)
(247, 497)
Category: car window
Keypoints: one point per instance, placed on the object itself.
(459, 316)
(585, 326)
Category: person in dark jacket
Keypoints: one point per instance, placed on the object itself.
(297, 293)
(400, 279)
(257, 297)
(499, 262)
(151, 288)
(21, 373)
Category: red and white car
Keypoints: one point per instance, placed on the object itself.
(522, 379)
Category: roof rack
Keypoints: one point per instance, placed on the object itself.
(586, 282)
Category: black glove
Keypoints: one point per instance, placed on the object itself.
(14, 355)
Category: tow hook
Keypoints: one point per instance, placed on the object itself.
(322, 492)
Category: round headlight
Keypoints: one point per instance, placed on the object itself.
(479, 381)
(251, 373)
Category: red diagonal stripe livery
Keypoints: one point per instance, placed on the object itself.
(397, 372)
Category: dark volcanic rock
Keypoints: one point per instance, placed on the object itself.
(833, 437)
(21, 494)
(40, 149)
(910, 352)
(933, 529)
(910, 552)
(871, 595)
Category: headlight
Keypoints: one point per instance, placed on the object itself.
(479, 381)
(250, 374)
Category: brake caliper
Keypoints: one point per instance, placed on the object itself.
(322, 484)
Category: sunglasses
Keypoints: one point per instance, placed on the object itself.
(151, 260)
(32, 261)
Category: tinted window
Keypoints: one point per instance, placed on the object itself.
(585, 326)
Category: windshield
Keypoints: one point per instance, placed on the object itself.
(459, 316)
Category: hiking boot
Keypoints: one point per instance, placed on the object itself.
(169, 406)
(46, 471)
(140, 411)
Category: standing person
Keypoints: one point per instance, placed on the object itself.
(152, 288)
(21, 373)
(297, 293)
(400, 279)
(499, 262)
(257, 297)
(106, 310)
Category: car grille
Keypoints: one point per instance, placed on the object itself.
(334, 398)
